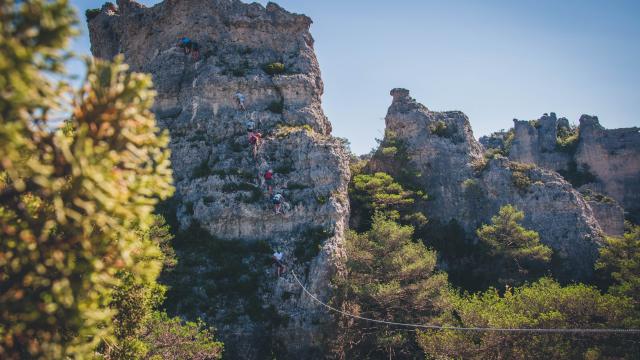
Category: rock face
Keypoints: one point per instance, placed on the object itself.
(595, 158)
(466, 187)
(216, 175)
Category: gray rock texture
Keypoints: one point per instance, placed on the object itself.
(216, 174)
(465, 186)
(606, 160)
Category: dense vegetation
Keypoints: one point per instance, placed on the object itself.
(517, 252)
(507, 264)
(80, 248)
(390, 277)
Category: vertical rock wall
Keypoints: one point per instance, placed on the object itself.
(216, 174)
(601, 160)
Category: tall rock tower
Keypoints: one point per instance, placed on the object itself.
(222, 206)
(468, 187)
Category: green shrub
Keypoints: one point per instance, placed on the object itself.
(389, 151)
(520, 174)
(590, 195)
(201, 170)
(233, 187)
(517, 252)
(274, 68)
(441, 129)
(171, 338)
(296, 186)
(567, 139)
(389, 276)
(90, 14)
(276, 107)
(542, 304)
(284, 168)
(238, 70)
(321, 199)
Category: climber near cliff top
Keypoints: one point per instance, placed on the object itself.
(190, 47)
(277, 259)
(277, 202)
(240, 99)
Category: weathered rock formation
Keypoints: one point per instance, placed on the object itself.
(216, 174)
(590, 157)
(467, 187)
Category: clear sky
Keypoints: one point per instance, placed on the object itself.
(495, 60)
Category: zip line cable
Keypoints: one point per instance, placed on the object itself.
(436, 327)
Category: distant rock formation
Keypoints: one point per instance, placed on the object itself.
(216, 175)
(593, 158)
(466, 187)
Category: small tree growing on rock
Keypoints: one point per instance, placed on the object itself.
(389, 277)
(519, 254)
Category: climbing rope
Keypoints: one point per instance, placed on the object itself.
(436, 327)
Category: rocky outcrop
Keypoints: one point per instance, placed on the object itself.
(613, 157)
(466, 187)
(216, 175)
(590, 156)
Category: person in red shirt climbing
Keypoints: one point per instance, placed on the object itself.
(268, 179)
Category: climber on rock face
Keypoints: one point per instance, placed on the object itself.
(268, 179)
(251, 126)
(195, 51)
(277, 259)
(190, 47)
(254, 139)
(277, 202)
(185, 44)
(240, 99)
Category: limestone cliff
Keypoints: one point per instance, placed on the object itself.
(592, 158)
(466, 187)
(216, 175)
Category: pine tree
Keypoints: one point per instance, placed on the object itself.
(518, 253)
(620, 256)
(69, 199)
(389, 277)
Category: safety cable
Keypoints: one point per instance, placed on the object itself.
(458, 328)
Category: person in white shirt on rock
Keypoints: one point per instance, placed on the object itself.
(280, 267)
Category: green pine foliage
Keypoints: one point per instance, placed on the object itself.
(620, 257)
(142, 330)
(379, 192)
(543, 304)
(80, 248)
(517, 252)
(389, 277)
(274, 68)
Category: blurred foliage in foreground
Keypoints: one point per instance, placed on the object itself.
(73, 202)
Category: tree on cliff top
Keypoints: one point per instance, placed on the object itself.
(69, 201)
(519, 254)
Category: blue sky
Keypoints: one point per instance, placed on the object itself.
(495, 60)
